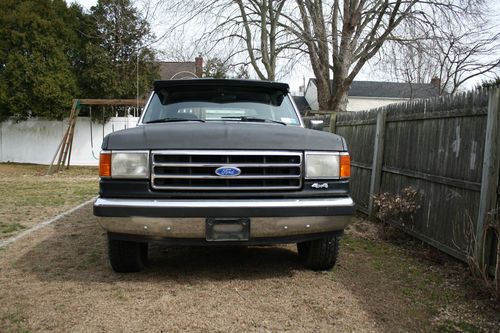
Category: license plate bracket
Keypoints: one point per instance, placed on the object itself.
(227, 229)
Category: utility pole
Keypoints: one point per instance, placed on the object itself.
(137, 82)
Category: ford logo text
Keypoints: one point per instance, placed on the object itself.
(227, 171)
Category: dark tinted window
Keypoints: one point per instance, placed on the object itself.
(215, 103)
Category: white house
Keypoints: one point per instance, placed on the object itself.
(366, 95)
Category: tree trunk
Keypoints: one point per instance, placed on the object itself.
(323, 87)
(338, 100)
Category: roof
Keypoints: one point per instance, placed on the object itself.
(391, 89)
(222, 82)
(177, 70)
(301, 103)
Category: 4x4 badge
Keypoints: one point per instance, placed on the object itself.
(318, 185)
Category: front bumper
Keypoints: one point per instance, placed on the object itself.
(185, 219)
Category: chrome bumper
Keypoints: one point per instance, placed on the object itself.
(186, 218)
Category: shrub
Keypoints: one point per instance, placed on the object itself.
(396, 208)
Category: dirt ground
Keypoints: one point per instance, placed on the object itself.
(29, 196)
(59, 280)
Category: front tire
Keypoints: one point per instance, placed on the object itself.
(320, 254)
(126, 256)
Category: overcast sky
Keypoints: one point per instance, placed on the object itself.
(301, 72)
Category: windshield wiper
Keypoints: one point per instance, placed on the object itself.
(254, 119)
(171, 120)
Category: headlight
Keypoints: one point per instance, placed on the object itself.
(122, 164)
(327, 165)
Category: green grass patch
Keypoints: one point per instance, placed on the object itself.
(412, 280)
(450, 326)
(13, 323)
(7, 228)
(29, 196)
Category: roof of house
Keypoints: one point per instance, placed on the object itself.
(177, 70)
(391, 89)
(301, 103)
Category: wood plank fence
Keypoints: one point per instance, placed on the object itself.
(447, 148)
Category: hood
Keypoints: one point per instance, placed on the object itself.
(222, 135)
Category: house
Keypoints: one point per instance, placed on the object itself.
(301, 103)
(170, 70)
(366, 95)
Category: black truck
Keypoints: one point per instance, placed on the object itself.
(223, 162)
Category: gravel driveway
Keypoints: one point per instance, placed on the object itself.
(59, 280)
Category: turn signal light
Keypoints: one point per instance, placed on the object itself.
(105, 165)
(345, 166)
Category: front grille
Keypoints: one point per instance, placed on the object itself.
(195, 170)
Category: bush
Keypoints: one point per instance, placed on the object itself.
(396, 209)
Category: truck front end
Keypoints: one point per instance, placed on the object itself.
(223, 162)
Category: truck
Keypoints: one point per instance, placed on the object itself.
(223, 162)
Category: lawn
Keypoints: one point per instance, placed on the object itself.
(61, 281)
(29, 196)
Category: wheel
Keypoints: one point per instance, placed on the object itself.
(125, 256)
(302, 249)
(144, 253)
(320, 254)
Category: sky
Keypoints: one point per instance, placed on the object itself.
(301, 72)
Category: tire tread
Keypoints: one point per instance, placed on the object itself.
(320, 254)
(125, 256)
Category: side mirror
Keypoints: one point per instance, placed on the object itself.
(316, 124)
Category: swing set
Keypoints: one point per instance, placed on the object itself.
(63, 152)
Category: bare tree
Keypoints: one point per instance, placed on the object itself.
(408, 60)
(450, 53)
(178, 47)
(249, 31)
(340, 37)
(259, 20)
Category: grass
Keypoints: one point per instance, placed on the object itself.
(450, 326)
(377, 285)
(13, 322)
(417, 279)
(8, 228)
(439, 295)
(29, 196)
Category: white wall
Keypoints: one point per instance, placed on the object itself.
(365, 103)
(354, 103)
(36, 141)
(311, 96)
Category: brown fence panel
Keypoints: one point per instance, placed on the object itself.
(358, 129)
(434, 145)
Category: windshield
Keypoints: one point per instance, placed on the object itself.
(221, 104)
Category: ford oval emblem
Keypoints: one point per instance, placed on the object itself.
(227, 171)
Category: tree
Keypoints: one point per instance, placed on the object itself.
(260, 25)
(340, 37)
(249, 30)
(220, 69)
(450, 52)
(118, 51)
(81, 24)
(216, 68)
(242, 72)
(35, 74)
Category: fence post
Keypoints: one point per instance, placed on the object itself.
(378, 155)
(333, 122)
(489, 179)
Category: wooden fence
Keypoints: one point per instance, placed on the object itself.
(446, 148)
